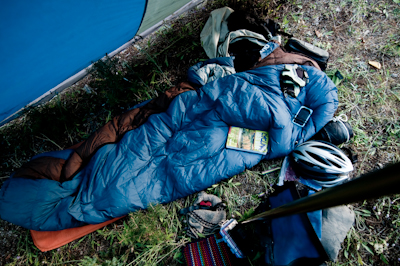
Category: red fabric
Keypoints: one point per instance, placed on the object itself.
(48, 240)
(205, 203)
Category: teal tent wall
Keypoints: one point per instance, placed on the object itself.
(157, 10)
(46, 42)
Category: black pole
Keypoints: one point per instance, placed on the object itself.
(376, 184)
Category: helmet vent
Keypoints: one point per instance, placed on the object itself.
(337, 156)
(323, 162)
(334, 163)
(297, 152)
(322, 147)
(316, 157)
(306, 163)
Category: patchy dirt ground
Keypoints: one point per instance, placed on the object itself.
(354, 33)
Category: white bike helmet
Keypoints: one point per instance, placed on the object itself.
(321, 161)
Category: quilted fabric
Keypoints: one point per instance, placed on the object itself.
(210, 70)
(175, 153)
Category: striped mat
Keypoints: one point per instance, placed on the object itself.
(208, 251)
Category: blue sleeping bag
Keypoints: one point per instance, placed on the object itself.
(175, 153)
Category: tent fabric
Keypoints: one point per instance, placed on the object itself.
(174, 153)
(158, 10)
(47, 45)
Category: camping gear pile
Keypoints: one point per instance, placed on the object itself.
(301, 239)
(174, 145)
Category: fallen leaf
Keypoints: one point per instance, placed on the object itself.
(375, 64)
(319, 35)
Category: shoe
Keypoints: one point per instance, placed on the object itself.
(337, 131)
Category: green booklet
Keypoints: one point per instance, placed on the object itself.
(247, 140)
